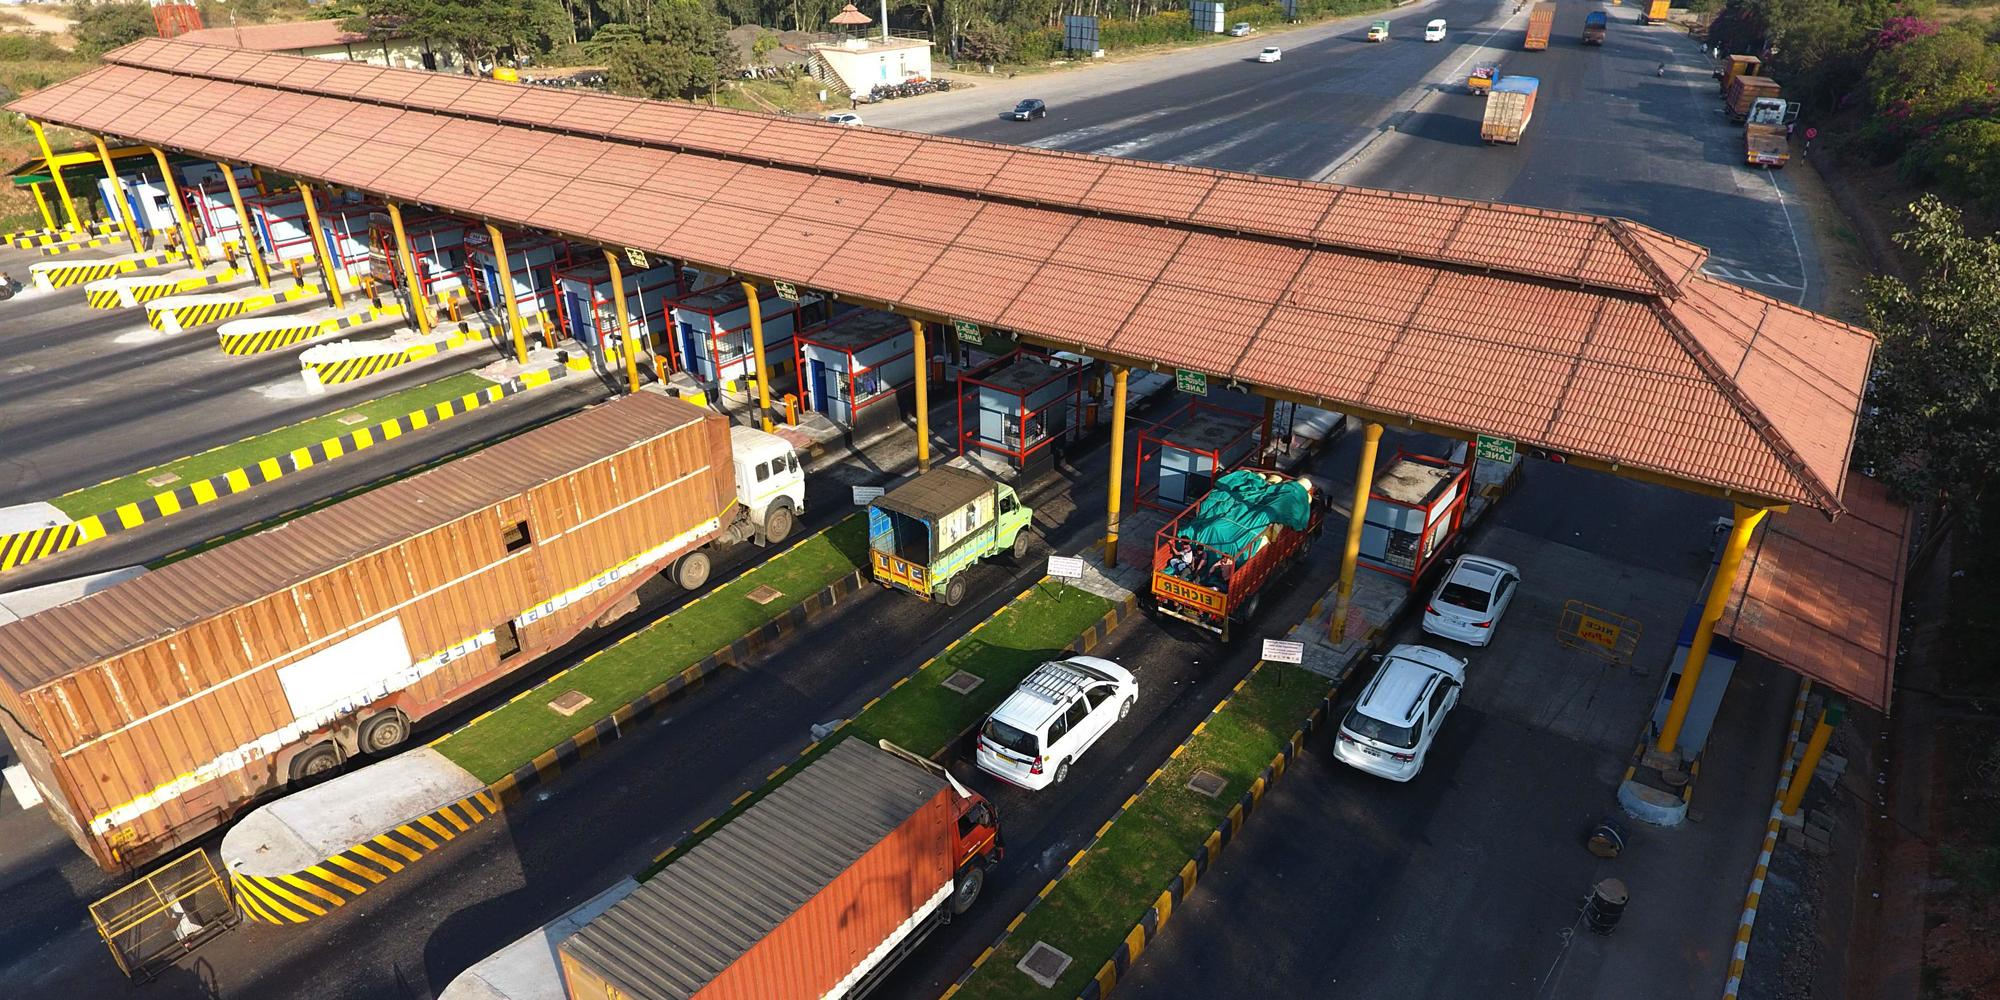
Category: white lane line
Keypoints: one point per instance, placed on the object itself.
(1743, 277)
(1797, 253)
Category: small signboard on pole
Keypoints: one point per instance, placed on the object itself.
(967, 332)
(636, 257)
(1495, 449)
(1192, 383)
(786, 290)
(865, 495)
(1283, 651)
(1066, 567)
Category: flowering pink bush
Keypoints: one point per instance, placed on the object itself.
(1903, 28)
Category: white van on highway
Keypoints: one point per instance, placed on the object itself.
(1434, 31)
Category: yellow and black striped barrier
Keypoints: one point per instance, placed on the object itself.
(305, 328)
(35, 239)
(81, 243)
(346, 370)
(69, 273)
(182, 316)
(24, 547)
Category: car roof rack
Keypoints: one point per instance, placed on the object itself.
(1056, 681)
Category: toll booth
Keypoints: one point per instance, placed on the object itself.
(586, 310)
(533, 261)
(1019, 405)
(145, 198)
(1178, 458)
(210, 210)
(1415, 510)
(859, 368)
(711, 332)
(437, 251)
(285, 233)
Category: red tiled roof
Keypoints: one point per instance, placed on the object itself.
(1579, 334)
(1825, 598)
(283, 37)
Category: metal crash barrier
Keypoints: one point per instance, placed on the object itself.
(1606, 635)
(151, 923)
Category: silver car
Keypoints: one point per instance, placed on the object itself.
(1470, 599)
(1389, 732)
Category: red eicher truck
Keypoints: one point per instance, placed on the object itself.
(1211, 563)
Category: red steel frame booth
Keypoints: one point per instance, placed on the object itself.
(853, 362)
(1022, 403)
(1415, 510)
(1178, 458)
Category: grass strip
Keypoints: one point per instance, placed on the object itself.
(109, 494)
(497, 743)
(1092, 908)
(920, 714)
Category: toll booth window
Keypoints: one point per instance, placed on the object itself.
(516, 536)
(508, 638)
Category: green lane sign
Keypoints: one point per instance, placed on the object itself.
(1192, 383)
(967, 332)
(1496, 449)
(786, 290)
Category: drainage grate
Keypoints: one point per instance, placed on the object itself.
(1207, 783)
(962, 682)
(163, 479)
(765, 594)
(350, 419)
(570, 702)
(1043, 964)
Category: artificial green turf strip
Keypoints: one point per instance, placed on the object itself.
(1092, 909)
(921, 715)
(492, 746)
(109, 495)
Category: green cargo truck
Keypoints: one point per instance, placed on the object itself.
(924, 534)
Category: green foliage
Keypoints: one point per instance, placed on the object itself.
(671, 49)
(478, 30)
(1932, 74)
(103, 25)
(1934, 420)
(1963, 157)
(24, 47)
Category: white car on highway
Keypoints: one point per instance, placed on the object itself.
(1434, 31)
(1058, 712)
(1389, 732)
(1270, 54)
(1470, 599)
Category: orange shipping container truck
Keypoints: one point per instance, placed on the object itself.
(1541, 22)
(1744, 92)
(150, 712)
(817, 890)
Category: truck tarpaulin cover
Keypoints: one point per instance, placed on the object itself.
(1244, 503)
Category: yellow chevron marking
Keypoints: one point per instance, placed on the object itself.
(411, 832)
(360, 869)
(294, 880)
(382, 859)
(167, 502)
(271, 468)
(319, 871)
(128, 515)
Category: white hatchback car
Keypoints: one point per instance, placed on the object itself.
(1059, 710)
(1470, 599)
(1390, 730)
(843, 118)
(1270, 54)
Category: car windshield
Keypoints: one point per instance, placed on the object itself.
(1001, 734)
(1025, 106)
(1385, 733)
(1459, 595)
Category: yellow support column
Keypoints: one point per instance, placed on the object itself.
(625, 339)
(1829, 717)
(1364, 482)
(1119, 374)
(1704, 632)
(412, 282)
(246, 233)
(188, 242)
(923, 360)
(55, 174)
(506, 291)
(1264, 443)
(43, 204)
(327, 272)
(757, 350)
(125, 213)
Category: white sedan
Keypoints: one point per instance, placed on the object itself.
(1470, 600)
(1270, 54)
(843, 118)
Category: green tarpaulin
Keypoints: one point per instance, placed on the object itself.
(1241, 506)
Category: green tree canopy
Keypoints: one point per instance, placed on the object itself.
(1933, 73)
(669, 49)
(475, 29)
(103, 25)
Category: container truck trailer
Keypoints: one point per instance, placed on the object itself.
(151, 712)
(1509, 108)
(1594, 24)
(1767, 140)
(1746, 91)
(817, 890)
(1541, 22)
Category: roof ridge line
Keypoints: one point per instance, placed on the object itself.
(1617, 228)
(673, 144)
(1752, 413)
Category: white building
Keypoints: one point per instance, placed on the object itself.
(326, 40)
(860, 64)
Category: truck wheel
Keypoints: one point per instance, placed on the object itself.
(778, 525)
(1019, 553)
(384, 731)
(315, 761)
(954, 591)
(966, 891)
(692, 571)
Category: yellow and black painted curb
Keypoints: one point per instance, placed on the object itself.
(306, 328)
(25, 547)
(65, 274)
(33, 239)
(355, 369)
(1739, 955)
(313, 892)
(86, 243)
(191, 315)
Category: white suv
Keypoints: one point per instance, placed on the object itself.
(1390, 730)
(1052, 718)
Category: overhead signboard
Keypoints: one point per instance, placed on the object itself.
(1079, 33)
(636, 257)
(1192, 383)
(1281, 651)
(1495, 449)
(1066, 567)
(967, 331)
(865, 495)
(786, 290)
(1207, 16)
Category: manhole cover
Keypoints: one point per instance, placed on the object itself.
(163, 479)
(962, 682)
(570, 702)
(1043, 964)
(765, 594)
(350, 419)
(1207, 783)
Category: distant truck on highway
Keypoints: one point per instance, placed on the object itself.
(818, 890)
(1745, 91)
(1767, 138)
(1378, 31)
(1480, 80)
(924, 534)
(1212, 563)
(1509, 109)
(1594, 24)
(151, 712)
(1541, 21)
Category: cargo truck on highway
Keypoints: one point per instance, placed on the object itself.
(817, 890)
(1738, 66)
(1767, 140)
(1212, 563)
(1509, 109)
(924, 534)
(1746, 91)
(1541, 21)
(1593, 27)
(151, 712)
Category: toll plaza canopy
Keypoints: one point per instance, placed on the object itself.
(1596, 338)
(1825, 598)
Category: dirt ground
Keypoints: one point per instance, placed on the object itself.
(46, 18)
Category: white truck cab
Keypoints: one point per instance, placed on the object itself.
(770, 482)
